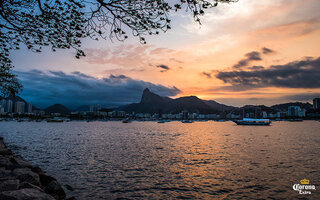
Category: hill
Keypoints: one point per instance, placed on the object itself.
(57, 108)
(284, 106)
(153, 103)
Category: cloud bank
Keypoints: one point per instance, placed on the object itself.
(72, 90)
(299, 74)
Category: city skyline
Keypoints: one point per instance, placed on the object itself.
(150, 100)
(230, 58)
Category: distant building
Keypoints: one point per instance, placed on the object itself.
(39, 112)
(91, 108)
(264, 114)
(121, 114)
(302, 113)
(293, 111)
(171, 116)
(316, 103)
(98, 107)
(20, 107)
(185, 114)
(9, 106)
(3, 104)
(200, 116)
(212, 116)
(29, 108)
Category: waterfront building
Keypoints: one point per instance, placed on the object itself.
(185, 114)
(293, 111)
(110, 114)
(171, 116)
(91, 108)
(121, 114)
(193, 116)
(201, 116)
(212, 116)
(316, 103)
(29, 108)
(19, 107)
(302, 113)
(155, 116)
(233, 116)
(164, 116)
(103, 113)
(9, 106)
(40, 112)
(264, 114)
(3, 104)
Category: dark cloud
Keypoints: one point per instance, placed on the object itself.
(118, 77)
(163, 67)
(46, 88)
(81, 74)
(266, 50)
(300, 74)
(206, 74)
(252, 56)
(303, 97)
(256, 68)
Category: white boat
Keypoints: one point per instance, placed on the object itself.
(55, 119)
(187, 121)
(253, 121)
(126, 121)
(163, 121)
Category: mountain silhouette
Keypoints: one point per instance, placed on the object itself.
(284, 106)
(57, 108)
(153, 103)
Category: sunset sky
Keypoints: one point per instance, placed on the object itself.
(250, 52)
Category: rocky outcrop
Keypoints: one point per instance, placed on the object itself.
(19, 180)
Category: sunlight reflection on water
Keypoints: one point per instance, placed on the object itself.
(147, 160)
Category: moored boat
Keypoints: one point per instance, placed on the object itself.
(187, 121)
(253, 121)
(126, 121)
(163, 121)
(55, 119)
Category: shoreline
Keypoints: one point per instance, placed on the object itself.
(20, 180)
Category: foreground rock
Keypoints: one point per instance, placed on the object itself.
(19, 180)
(25, 194)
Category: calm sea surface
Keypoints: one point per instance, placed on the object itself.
(147, 160)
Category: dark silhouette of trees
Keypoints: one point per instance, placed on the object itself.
(62, 24)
